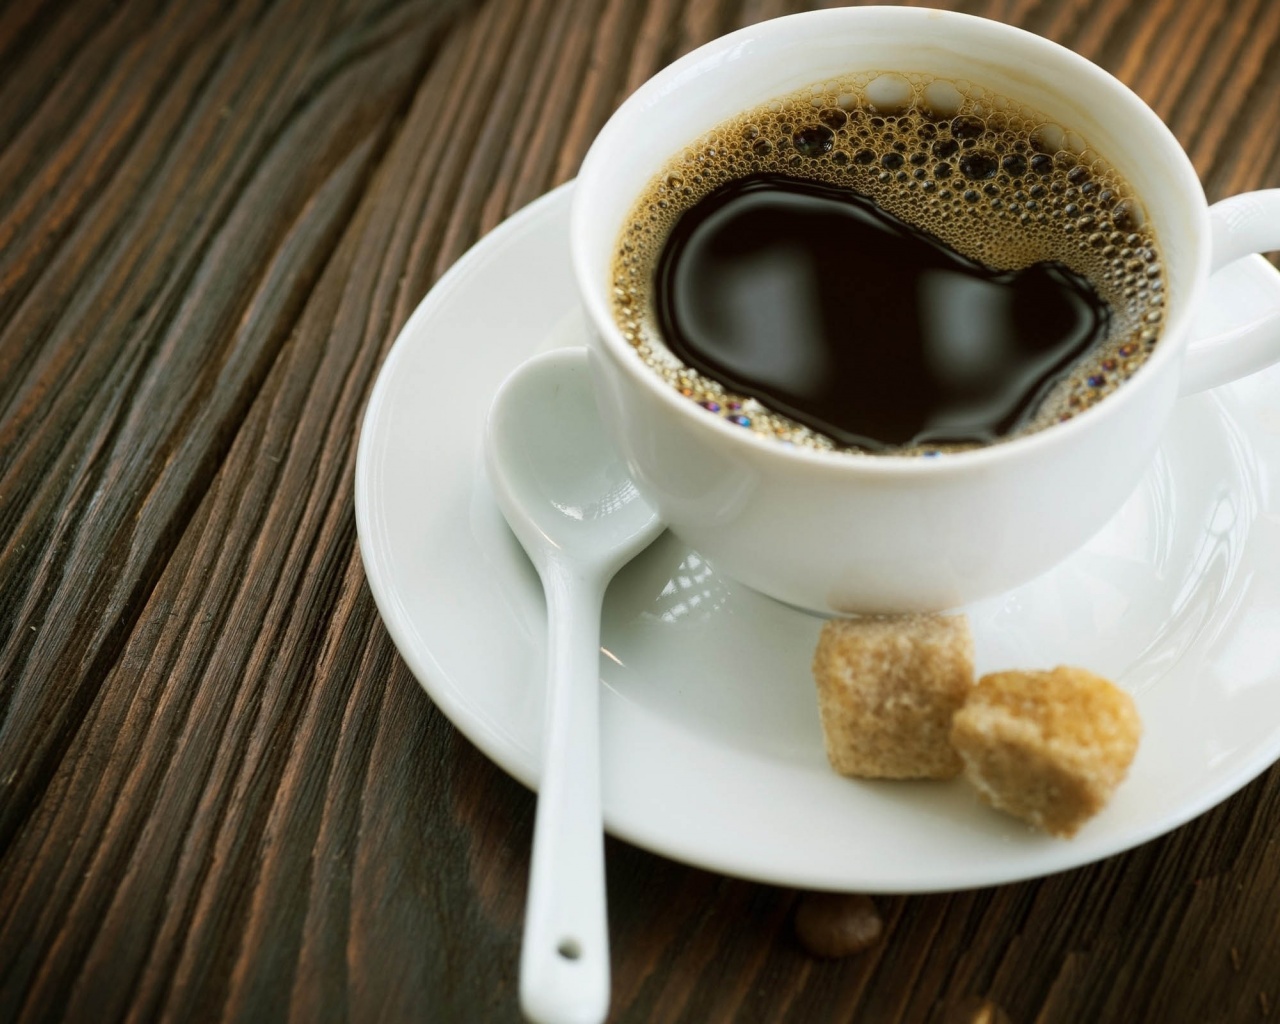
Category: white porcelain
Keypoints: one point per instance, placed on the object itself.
(568, 499)
(833, 533)
(713, 750)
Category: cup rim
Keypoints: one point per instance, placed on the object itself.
(1169, 348)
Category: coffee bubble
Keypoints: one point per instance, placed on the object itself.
(813, 140)
(888, 94)
(942, 98)
(1048, 138)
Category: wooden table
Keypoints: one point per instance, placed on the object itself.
(222, 794)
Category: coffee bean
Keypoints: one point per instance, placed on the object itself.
(837, 924)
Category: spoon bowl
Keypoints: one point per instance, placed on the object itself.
(571, 503)
(563, 489)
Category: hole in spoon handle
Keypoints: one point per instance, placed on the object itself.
(569, 949)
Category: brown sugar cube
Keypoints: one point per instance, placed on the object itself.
(887, 688)
(1048, 747)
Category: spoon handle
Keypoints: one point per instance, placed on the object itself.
(564, 961)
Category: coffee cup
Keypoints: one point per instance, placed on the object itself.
(838, 533)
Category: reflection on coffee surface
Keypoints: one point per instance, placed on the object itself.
(890, 263)
(924, 347)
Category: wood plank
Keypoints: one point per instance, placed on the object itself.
(209, 325)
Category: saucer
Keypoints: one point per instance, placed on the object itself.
(712, 747)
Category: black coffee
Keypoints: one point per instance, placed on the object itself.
(890, 263)
(829, 310)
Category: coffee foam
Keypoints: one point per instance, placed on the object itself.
(994, 180)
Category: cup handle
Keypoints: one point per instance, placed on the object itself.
(1243, 282)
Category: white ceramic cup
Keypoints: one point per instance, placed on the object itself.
(835, 533)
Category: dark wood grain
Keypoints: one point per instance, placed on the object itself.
(222, 795)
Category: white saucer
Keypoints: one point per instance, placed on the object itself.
(712, 748)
